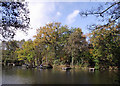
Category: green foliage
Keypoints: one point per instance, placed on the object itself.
(105, 43)
(76, 45)
(8, 50)
(52, 37)
(27, 52)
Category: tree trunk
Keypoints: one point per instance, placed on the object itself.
(72, 61)
(55, 51)
(40, 61)
(37, 62)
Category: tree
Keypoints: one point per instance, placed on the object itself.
(27, 53)
(76, 45)
(8, 50)
(52, 38)
(15, 16)
(106, 43)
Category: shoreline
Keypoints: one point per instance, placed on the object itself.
(76, 67)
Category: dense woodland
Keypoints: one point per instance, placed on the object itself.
(60, 45)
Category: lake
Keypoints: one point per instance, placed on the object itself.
(18, 75)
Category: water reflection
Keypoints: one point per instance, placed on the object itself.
(17, 75)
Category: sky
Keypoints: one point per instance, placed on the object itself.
(67, 13)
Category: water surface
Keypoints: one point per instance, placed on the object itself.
(18, 75)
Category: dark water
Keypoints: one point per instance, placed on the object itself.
(18, 75)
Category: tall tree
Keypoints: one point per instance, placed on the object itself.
(27, 53)
(76, 45)
(106, 43)
(8, 50)
(52, 37)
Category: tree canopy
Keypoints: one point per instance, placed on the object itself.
(15, 16)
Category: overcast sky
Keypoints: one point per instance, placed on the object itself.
(67, 13)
